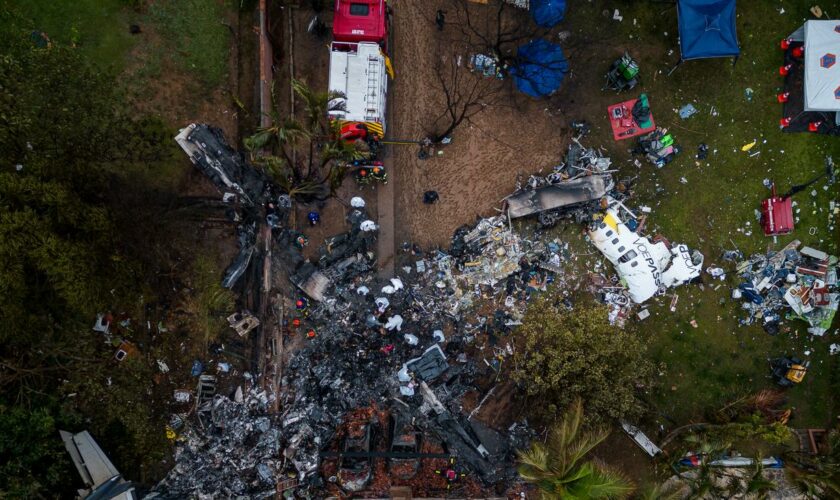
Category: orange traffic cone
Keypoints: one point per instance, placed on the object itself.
(784, 70)
(785, 44)
(814, 126)
(798, 51)
(784, 122)
(783, 97)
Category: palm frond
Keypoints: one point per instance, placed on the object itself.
(599, 482)
(533, 462)
(585, 443)
(659, 492)
(556, 468)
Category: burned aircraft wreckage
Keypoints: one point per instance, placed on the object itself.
(403, 345)
(573, 190)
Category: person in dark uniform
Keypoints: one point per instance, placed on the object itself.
(440, 19)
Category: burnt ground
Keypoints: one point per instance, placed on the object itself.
(472, 174)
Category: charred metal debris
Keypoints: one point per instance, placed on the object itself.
(413, 345)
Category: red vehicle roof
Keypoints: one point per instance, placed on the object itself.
(777, 216)
(360, 21)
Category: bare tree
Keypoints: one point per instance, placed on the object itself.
(495, 29)
(464, 95)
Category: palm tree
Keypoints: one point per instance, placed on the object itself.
(318, 106)
(325, 142)
(815, 476)
(282, 137)
(557, 467)
(757, 484)
(279, 133)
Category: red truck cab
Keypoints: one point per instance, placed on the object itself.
(360, 21)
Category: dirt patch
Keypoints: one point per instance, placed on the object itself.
(480, 167)
(619, 451)
(514, 137)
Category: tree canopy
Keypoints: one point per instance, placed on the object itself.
(67, 144)
(563, 354)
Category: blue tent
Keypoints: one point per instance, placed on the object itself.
(548, 13)
(539, 68)
(707, 28)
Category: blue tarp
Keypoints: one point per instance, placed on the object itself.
(707, 28)
(539, 68)
(548, 13)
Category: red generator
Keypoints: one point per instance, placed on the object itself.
(777, 215)
(357, 21)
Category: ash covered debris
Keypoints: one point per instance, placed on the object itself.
(411, 344)
(252, 191)
(340, 258)
(234, 452)
(225, 167)
(354, 361)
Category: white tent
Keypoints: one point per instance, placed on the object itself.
(822, 64)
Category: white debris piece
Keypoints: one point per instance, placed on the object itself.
(716, 272)
(368, 226)
(406, 390)
(182, 396)
(403, 375)
(397, 284)
(394, 322)
(357, 202)
(646, 267)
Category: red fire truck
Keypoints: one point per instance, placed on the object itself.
(357, 21)
(359, 65)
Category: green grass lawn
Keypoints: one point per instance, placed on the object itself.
(706, 366)
(195, 36)
(192, 33)
(99, 27)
